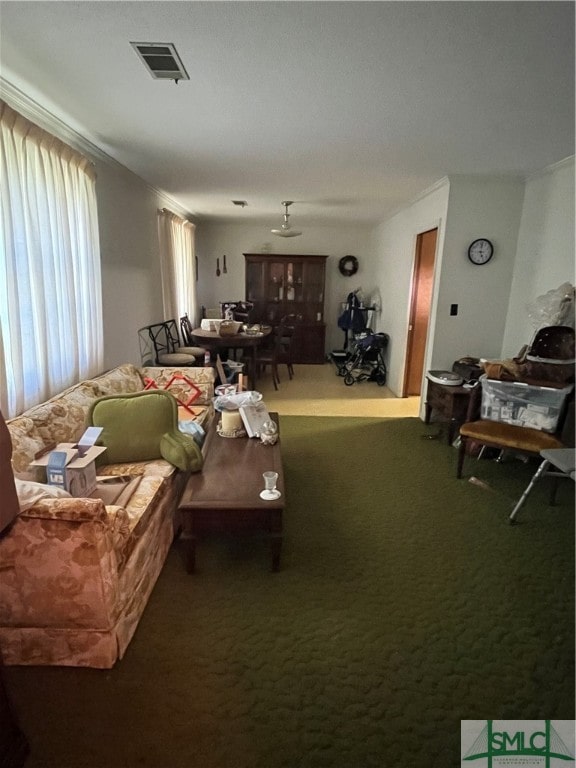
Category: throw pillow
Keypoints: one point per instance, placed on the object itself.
(133, 424)
(142, 426)
(182, 451)
(30, 493)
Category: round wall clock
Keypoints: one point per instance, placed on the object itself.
(348, 265)
(480, 251)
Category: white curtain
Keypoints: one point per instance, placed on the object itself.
(178, 266)
(51, 331)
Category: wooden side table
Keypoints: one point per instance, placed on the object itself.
(450, 402)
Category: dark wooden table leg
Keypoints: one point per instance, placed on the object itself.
(189, 541)
(275, 527)
(191, 555)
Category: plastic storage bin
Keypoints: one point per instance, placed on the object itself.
(524, 405)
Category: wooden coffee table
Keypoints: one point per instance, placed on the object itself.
(224, 497)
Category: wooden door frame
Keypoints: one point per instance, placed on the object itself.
(412, 304)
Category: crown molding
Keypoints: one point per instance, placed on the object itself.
(429, 190)
(38, 114)
(47, 120)
(551, 168)
(443, 182)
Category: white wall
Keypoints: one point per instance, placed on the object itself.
(131, 282)
(394, 244)
(545, 254)
(215, 240)
(477, 207)
(463, 209)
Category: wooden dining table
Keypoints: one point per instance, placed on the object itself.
(250, 342)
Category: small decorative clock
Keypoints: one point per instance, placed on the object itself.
(480, 251)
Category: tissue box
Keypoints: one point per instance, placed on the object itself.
(524, 405)
(73, 466)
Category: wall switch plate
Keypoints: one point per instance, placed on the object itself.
(453, 309)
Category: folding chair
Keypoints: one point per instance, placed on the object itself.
(556, 463)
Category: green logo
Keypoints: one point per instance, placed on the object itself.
(534, 743)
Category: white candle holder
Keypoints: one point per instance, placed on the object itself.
(270, 492)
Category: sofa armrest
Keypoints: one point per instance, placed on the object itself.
(72, 510)
(60, 563)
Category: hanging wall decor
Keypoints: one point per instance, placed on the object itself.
(348, 266)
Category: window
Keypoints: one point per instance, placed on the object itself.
(51, 332)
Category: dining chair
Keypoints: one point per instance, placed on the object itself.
(187, 347)
(504, 436)
(286, 333)
(267, 354)
(163, 346)
(243, 312)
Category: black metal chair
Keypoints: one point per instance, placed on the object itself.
(160, 345)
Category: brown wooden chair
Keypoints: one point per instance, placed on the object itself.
(278, 349)
(507, 437)
(186, 345)
(286, 333)
(267, 355)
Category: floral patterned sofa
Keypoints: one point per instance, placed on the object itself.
(75, 574)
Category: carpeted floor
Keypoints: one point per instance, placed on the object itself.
(405, 604)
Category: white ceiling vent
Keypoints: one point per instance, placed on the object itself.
(161, 60)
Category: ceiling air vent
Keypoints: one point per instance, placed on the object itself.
(161, 60)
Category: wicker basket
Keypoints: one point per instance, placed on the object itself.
(228, 328)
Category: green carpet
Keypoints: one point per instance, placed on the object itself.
(405, 603)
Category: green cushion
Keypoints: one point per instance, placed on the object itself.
(182, 451)
(142, 426)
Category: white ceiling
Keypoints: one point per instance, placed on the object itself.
(351, 109)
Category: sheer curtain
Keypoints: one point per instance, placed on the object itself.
(178, 265)
(51, 332)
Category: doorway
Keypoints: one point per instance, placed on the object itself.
(420, 303)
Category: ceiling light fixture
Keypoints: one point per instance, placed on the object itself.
(286, 229)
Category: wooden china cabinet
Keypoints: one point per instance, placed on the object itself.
(280, 285)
